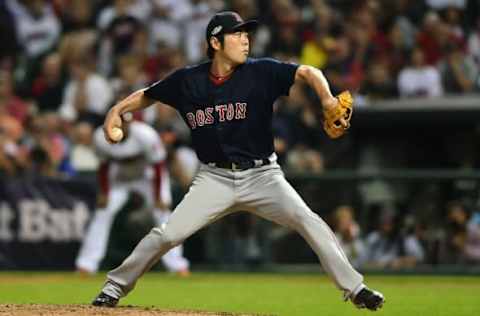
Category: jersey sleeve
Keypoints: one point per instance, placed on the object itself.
(281, 75)
(167, 90)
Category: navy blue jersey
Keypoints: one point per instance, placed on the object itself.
(231, 121)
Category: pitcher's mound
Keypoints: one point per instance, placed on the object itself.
(84, 310)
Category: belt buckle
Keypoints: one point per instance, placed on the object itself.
(236, 167)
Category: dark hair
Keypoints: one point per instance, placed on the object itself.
(210, 50)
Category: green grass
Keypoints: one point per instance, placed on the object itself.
(273, 294)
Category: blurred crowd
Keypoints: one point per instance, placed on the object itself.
(63, 63)
(403, 242)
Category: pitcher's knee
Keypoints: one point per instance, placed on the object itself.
(302, 217)
(168, 238)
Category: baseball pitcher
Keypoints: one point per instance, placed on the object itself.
(228, 104)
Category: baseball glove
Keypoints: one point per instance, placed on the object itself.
(331, 116)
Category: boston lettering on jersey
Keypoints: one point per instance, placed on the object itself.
(225, 112)
(231, 121)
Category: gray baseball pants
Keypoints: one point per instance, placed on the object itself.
(216, 192)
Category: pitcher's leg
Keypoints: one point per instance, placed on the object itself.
(173, 260)
(276, 200)
(208, 199)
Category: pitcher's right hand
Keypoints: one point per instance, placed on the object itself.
(112, 120)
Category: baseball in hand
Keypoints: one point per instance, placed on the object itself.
(116, 134)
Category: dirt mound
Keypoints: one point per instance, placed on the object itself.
(84, 310)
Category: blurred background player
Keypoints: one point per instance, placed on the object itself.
(136, 164)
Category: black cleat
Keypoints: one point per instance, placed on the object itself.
(367, 298)
(104, 300)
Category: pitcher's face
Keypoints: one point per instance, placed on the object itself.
(236, 46)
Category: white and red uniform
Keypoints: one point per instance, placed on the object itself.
(135, 164)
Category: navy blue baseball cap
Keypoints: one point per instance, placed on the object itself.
(228, 22)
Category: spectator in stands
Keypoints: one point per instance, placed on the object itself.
(41, 163)
(78, 15)
(458, 70)
(315, 51)
(130, 76)
(80, 36)
(431, 37)
(13, 156)
(474, 43)
(387, 247)
(379, 83)
(343, 69)
(419, 79)
(434, 36)
(140, 46)
(176, 10)
(472, 242)
(456, 233)
(87, 96)
(285, 42)
(165, 26)
(6, 154)
(120, 28)
(48, 87)
(141, 9)
(397, 51)
(194, 26)
(9, 102)
(37, 30)
(414, 235)
(83, 157)
(119, 8)
(37, 26)
(247, 9)
(453, 18)
(368, 37)
(347, 232)
(381, 244)
(163, 61)
(404, 16)
(77, 44)
(9, 47)
(46, 133)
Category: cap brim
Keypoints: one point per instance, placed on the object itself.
(250, 25)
